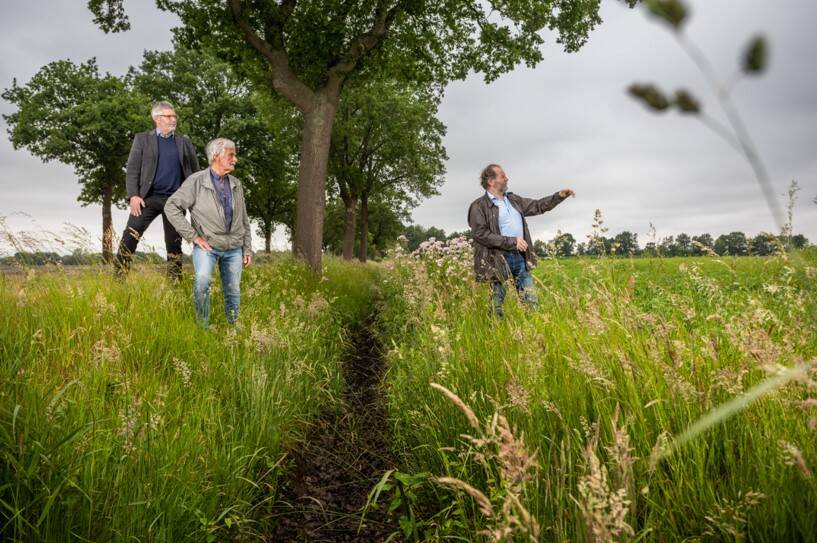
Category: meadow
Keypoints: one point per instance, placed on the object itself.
(570, 422)
(121, 419)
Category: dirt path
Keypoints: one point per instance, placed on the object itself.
(345, 455)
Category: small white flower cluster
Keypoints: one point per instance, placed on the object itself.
(102, 306)
(184, 371)
(453, 257)
(104, 352)
(139, 418)
(454, 248)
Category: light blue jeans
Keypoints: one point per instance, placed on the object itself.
(230, 263)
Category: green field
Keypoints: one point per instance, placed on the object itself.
(578, 403)
(120, 419)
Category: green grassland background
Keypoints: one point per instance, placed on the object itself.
(121, 419)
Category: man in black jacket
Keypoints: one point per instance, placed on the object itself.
(159, 160)
(502, 243)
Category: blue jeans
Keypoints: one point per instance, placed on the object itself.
(230, 264)
(522, 280)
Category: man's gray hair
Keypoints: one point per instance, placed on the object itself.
(160, 106)
(216, 147)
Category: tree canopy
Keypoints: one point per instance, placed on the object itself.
(305, 50)
(73, 114)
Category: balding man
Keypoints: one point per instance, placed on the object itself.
(502, 244)
(159, 160)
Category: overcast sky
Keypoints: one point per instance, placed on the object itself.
(566, 123)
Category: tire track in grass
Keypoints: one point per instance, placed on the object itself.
(345, 454)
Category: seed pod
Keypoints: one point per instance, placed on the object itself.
(756, 57)
(672, 11)
(650, 95)
(686, 102)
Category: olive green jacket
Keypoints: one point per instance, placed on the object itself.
(490, 245)
(198, 194)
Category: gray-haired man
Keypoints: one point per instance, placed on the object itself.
(219, 228)
(159, 160)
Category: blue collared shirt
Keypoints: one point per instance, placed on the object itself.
(168, 135)
(510, 220)
(225, 196)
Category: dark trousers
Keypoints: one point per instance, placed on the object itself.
(523, 281)
(154, 206)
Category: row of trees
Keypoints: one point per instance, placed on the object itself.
(386, 149)
(626, 243)
(312, 53)
(76, 258)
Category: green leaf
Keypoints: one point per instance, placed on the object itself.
(109, 15)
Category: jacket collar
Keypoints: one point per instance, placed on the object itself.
(208, 182)
(490, 202)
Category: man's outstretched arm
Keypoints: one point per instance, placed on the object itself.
(531, 206)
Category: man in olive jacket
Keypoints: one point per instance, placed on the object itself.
(159, 160)
(502, 242)
(219, 228)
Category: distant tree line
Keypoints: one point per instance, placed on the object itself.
(626, 244)
(386, 225)
(76, 258)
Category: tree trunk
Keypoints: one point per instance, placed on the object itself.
(107, 224)
(364, 228)
(349, 228)
(317, 134)
(267, 237)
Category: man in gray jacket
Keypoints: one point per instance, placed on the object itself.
(502, 243)
(219, 228)
(159, 160)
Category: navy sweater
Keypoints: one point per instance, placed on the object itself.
(168, 176)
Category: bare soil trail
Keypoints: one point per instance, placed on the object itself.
(345, 454)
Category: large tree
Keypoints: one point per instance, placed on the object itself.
(73, 114)
(387, 142)
(305, 50)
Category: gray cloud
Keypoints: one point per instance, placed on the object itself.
(568, 122)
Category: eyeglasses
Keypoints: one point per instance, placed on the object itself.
(173, 116)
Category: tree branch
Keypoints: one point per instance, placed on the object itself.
(366, 42)
(284, 80)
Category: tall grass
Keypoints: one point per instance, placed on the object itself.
(121, 419)
(621, 357)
